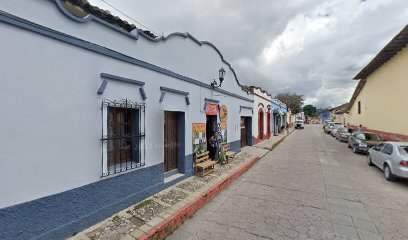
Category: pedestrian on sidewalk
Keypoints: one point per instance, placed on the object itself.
(287, 127)
(214, 147)
(360, 128)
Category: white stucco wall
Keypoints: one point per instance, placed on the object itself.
(51, 122)
(265, 101)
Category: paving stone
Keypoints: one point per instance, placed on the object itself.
(127, 237)
(365, 235)
(136, 233)
(342, 219)
(145, 228)
(343, 210)
(336, 201)
(155, 221)
(362, 214)
(364, 225)
(346, 231)
(355, 206)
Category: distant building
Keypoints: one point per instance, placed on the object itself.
(269, 116)
(379, 102)
(324, 115)
(339, 114)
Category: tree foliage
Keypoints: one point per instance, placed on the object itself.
(292, 101)
(310, 110)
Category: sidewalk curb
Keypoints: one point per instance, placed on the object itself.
(170, 224)
(167, 226)
(280, 140)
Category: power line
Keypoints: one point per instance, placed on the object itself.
(110, 5)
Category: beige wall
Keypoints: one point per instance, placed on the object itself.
(341, 118)
(384, 101)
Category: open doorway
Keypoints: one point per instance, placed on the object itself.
(211, 128)
(261, 124)
(246, 131)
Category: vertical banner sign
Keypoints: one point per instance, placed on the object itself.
(199, 138)
(223, 124)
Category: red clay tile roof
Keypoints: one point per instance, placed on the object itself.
(106, 15)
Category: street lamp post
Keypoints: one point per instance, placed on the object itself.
(221, 74)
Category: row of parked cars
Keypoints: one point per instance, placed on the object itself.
(390, 157)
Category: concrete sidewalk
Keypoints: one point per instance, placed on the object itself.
(272, 141)
(159, 215)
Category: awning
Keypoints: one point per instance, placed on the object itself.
(277, 111)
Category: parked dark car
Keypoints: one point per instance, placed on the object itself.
(343, 134)
(363, 141)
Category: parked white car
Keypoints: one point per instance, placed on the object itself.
(391, 157)
(299, 124)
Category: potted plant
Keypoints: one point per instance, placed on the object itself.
(222, 159)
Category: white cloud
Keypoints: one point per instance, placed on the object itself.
(312, 47)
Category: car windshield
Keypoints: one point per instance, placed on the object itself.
(371, 137)
(342, 130)
(336, 126)
(403, 150)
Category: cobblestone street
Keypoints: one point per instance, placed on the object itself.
(310, 187)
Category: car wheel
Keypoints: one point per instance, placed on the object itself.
(388, 174)
(370, 163)
(355, 149)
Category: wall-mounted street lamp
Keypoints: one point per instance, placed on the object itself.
(221, 74)
(269, 108)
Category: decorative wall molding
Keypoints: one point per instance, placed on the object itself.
(51, 33)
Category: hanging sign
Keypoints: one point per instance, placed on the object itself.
(211, 109)
(223, 123)
(199, 138)
(223, 113)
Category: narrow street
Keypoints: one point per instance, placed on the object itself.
(310, 187)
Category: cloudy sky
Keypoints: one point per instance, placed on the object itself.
(311, 47)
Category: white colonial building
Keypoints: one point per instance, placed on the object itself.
(99, 115)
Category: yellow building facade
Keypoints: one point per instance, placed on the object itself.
(380, 101)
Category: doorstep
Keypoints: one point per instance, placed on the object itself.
(173, 177)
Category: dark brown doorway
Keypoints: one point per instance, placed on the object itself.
(261, 124)
(268, 119)
(211, 128)
(243, 131)
(171, 141)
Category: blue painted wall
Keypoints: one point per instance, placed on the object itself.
(61, 215)
(325, 115)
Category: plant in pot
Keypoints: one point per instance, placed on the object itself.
(222, 159)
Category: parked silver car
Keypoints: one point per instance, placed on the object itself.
(334, 129)
(391, 157)
(342, 134)
(329, 126)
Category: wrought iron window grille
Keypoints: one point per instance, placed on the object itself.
(123, 136)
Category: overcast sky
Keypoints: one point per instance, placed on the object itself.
(311, 47)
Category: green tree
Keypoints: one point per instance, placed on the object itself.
(292, 101)
(310, 110)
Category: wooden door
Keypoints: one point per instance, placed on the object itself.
(269, 124)
(243, 132)
(171, 141)
(120, 134)
(261, 124)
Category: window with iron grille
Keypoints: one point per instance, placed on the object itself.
(123, 136)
